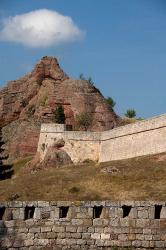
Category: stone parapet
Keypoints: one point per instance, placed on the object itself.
(83, 225)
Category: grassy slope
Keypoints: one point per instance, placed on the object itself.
(140, 178)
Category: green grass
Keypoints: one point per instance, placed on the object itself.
(140, 178)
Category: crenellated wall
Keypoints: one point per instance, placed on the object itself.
(137, 139)
(83, 225)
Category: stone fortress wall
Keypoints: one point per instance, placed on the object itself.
(82, 225)
(137, 139)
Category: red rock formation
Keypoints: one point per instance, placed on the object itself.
(32, 99)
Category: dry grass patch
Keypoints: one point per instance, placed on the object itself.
(140, 178)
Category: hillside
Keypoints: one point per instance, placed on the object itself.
(31, 100)
(140, 178)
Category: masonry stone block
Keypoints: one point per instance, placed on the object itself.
(160, 244)
(125, 222)
(8, 215)
(10, 231)
(140, 237)
(81, 242)
(16, 214)
(30, 203)
(143, 223)
(131, 237)
(148, 237)
(105, 236)
(154, 223)
(86, 236)
(29, 223)
(45, 229)
(137, 243)
(71, 229)
(7, 224)
(37, 214)
(143, 214)
(99, 229)
(51, 235)
(100, 242)
(43, 204)
(58, 229)
(163, 213)
(133, 213)
(114, 222)
(41, 242)
(15, 204)
(95, 236)
(123, 237)
(151, 212)
(34, 230)
(100, 222)
(28, 242)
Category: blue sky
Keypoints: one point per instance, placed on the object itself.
(123, 48)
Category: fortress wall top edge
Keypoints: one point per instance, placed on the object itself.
(88, 203)
(134, 128)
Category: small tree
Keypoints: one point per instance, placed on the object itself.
(130, 113)
(83, 120)
(91, 82)
(89, 79)
(82, 77)
(59, 115)
(111, 102)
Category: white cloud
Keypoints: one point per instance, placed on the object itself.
(40, 28)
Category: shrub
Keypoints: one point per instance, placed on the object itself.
(82, 77)
(24, 103)
(111, 102)
(130, 113)
(83, 120)
(59, 115)
(31, 109)
(89, 79)
(91, 82)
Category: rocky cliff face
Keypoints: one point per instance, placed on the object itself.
(32, 99)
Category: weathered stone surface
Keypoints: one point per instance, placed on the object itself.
(56, 158)
(138, 233)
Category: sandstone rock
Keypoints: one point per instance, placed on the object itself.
(56, 158)
(32, 99)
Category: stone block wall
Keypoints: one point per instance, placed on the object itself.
(141, 138)
(82, 225)
(137, 139)
(79, 145)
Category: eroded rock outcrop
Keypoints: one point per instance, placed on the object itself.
(32, 99)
